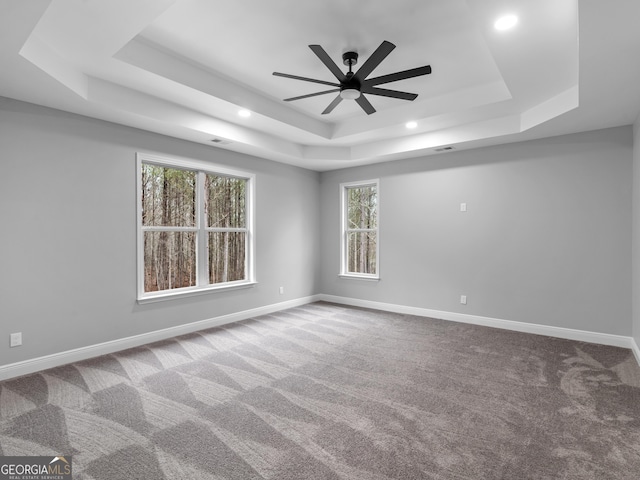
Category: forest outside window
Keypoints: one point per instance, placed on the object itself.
(359, 248)
(194, 227)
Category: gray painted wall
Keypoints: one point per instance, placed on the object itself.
(67, 207)
(635, 294)
(546, 238)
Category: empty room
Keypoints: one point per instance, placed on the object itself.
(320, 240)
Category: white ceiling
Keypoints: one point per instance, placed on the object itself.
(185, 67)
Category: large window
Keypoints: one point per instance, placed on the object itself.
(360, 229)
(194, 227)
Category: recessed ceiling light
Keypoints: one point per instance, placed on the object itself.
(411, 124)
(244, 113)
(506, 22)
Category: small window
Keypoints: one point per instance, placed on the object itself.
(360, 229)
(194, 227)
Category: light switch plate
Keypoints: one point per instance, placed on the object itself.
(16, 339)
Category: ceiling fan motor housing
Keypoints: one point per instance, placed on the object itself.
(351, 82)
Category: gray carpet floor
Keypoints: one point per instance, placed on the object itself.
(324, 391)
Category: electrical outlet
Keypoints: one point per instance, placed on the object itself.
(281, 290)
(16, 339)
(463, 299)
(463, 207)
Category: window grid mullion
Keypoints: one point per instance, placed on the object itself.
(227, 229)
(357, 230)
(202, 252)
(168, 229)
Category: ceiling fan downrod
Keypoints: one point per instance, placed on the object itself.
(350, 89)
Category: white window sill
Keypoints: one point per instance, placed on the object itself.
(191, 292)
(355, 276)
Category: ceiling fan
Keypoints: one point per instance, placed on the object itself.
(352, 85)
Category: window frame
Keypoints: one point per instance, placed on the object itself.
(345, 230)
(201, 229)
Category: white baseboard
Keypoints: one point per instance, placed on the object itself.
(55, 360)
(635, 349)
(559, 332)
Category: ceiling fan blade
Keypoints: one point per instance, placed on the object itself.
(366, 106)
(394, 77)
(332, 105)
(388, 93)
(326, 59)
(305, 79)
(374, 60)
(311, 95)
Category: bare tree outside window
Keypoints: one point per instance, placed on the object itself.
(168, 204)
(361, 229)
(184, 211)
(225, 210)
